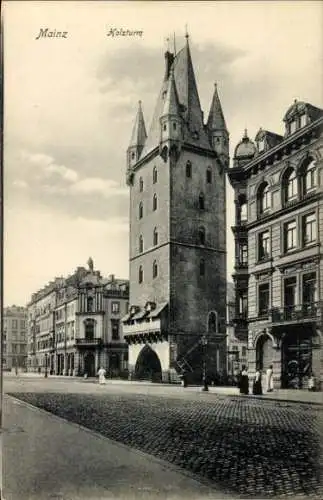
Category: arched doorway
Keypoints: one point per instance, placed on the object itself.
(264, 354)
(148, 366)
(296, 358)
(89, 365)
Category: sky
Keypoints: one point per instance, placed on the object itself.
(70, 103)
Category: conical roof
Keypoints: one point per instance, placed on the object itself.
(171, 102)
(139, 135)
(216, 119)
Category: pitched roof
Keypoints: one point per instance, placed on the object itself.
(216, 118)
(171, 102)
(138, 136)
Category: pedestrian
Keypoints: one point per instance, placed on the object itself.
(270, 379)
(244, 381)
(184, 379)
(102, 373)
(257, 387)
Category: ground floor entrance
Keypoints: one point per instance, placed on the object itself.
(148, 366)
(296, 358)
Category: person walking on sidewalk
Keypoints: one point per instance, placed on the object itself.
(257, 387)
(244, 381)
(102, 373)
(270, 379)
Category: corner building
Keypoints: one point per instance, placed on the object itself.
(278, 233)
(177, 182)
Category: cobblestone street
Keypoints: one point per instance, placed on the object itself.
(248, 447)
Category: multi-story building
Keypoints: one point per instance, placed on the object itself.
(236, 348)
(74, 325)
(14, 352)
(177, 179)
(278, 235)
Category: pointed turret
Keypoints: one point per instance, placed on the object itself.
(138, 138)
(170, 119)
(217, 129)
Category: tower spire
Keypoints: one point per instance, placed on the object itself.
(216, 118)
(138, 136)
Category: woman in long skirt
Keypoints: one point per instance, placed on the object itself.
(101, 374)
(270, 379)
(244, 381)
(257, 388)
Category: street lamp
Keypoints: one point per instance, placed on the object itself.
(46, 374)
(204, 344)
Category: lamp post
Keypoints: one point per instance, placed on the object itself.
(204, 344)
(46, 374)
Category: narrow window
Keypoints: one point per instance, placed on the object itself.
(155, 237)
(155, 202)
(201, 236)
(263, 299)
(209, 176)
(140, 274)
(141, 244)
(154, 175)
(264, 245)
(290, 241)
(90, 304)
(309, 229)
(309, 178)
(155, 269)
(141, 184)
(202, 267)
(140, 210)
(189, 169)
(201, 202)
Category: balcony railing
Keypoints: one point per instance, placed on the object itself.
(296, 312)
(88, 342)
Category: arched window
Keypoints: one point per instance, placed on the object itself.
(155, 269)
(309, 177)
(189, 169)
(202, 267)
(141, 184)
(154, 175)
(140, 274)
(155, 202)
(209, 175)
(141, 210)
(155, 237)
(201, 236)
(141, 244)
(89, 328)
(201, 202)
(290, 187)
(90, 304)
(263, 198)
(212, 324)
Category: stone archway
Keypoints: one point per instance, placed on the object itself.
(148, 366)
(264, 352)
(89, 364)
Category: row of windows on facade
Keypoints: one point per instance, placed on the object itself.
(201, 204)
(293, 187)
(290, 242)
(307, 300)
(90, 307)
(188, 170)
(200, 239)
(15, 349)
(14, 335)
(90, 329)
(13, 323)
(155, 270)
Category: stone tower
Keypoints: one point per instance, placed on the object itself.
(176, 176)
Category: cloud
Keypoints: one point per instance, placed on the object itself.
(95, 185)
(47, 166)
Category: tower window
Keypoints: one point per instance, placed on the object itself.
(201, 202)
(141, 184)
(209, 176)
(155, 237)
(141, 244)
(140, 274)
(155, 269)
(132, 156)
(201, 236)
(155, 202)
(202, 267)
(165, 127)
(140, 210)
(154, 175)
(189, 169)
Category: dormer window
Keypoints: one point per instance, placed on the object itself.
(303, 120)
(293, 126)
(261, 146)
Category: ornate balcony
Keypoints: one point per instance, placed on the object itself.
(296, 313)
(86, 342)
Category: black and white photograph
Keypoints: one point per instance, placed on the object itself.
(162, 269)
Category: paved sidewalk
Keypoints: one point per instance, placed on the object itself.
(46, 457)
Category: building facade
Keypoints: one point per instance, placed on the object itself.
(177, 179)
(74, 325)
(278, 239)
(14, 352)
(237, 349)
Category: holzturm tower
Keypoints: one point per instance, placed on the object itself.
(176, 174)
